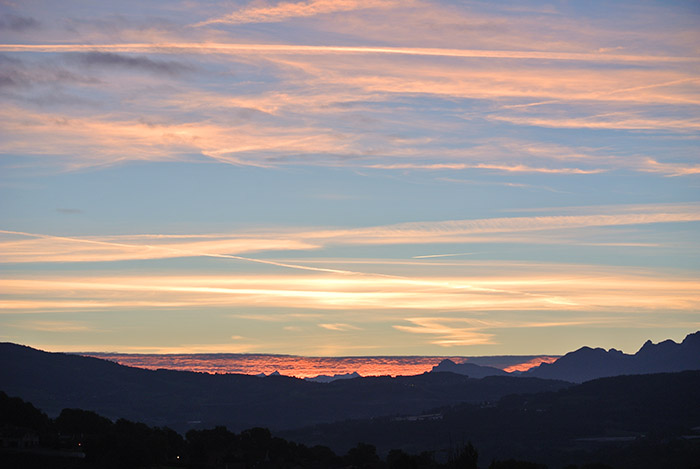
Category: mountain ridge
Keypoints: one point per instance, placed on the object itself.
(588, 363)
(468, 369)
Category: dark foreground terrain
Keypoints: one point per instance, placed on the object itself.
(82, 439)
(626, 421)
(625, 424)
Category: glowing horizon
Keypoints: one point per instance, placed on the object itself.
(310, 367)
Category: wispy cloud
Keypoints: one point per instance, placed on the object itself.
(31, 247)
(457, 331)
(287, 10)
(530, 287)
(54, 326)
(339, 327)
(327, 94)
(16, 23)
(90, 142)
(117, 248)
(121, 61)
(670, 169)
(428, 256)
(508, 169)
(449, 331)
(18, 74)
(610, 121)
(452, 231)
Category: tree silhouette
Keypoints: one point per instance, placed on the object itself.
(465, 457)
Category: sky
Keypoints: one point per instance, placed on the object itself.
(349, 178)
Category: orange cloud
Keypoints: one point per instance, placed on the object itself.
(43, 248)
(669, 169)
(287, 10)
(318, 88)
(509, 169)
(449, 331)
(340, 327)
(535, 288)
(609, 121)
(106, 142)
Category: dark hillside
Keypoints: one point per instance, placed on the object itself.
(628, 421)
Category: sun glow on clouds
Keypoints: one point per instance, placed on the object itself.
(540, 291)
(536, 288)
(331, 165)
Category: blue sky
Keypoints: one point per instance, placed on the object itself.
(349, 177)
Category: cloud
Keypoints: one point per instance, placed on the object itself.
(456, 230)
(16, 73)
(498, 167)
(122, 61)
(94, 142)
(17, 23)
(428, 256)
(669, 169)
(117, 248)
(619, 121)
(55, 326)
(107, 140)
(459, 331)
(288, 10)
(31, 247)
(340, 327)
(481, 287)
(308, 110)
(449, 332)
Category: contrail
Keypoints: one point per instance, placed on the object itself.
(444, 255)
(184, 252)
(190, 253)
(239, 49)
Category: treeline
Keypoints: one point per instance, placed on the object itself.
(83, 439)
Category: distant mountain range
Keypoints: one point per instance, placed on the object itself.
(468, 369)
(590, 363)
(328, 378)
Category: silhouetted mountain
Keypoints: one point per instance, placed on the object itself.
(328, 379)
(587, 363)
(181, 400)
(467, 369)
(636, 421)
